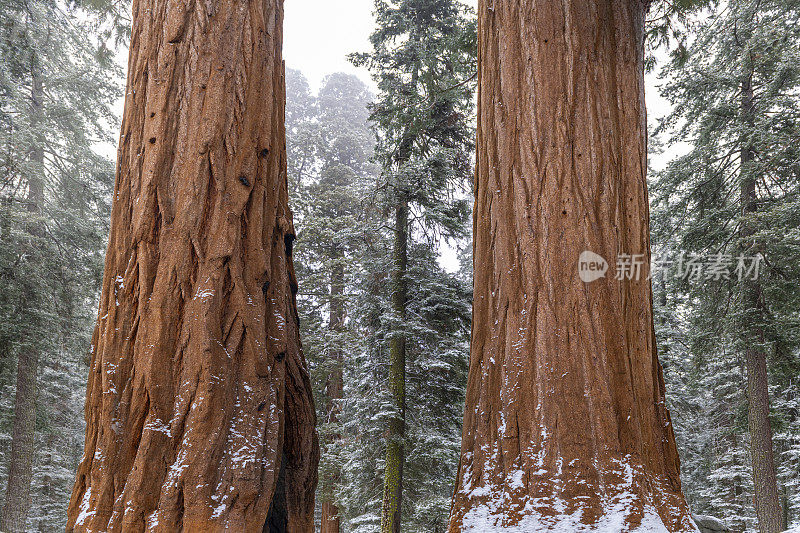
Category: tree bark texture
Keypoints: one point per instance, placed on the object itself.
(5, 277)
(17, 500)
(334, 387)
(565, 426)
(395, 442)
(198, 398)
(765, 482)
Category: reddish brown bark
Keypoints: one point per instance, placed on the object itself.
(329, 523)
(198, 398)
(565, 427)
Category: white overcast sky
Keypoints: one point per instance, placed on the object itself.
(319, 34)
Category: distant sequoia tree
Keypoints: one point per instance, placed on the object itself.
(565, 426)
(199, 409)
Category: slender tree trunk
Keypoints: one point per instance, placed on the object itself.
(738, 498)
(765, 483)
(330, 522)
(5, 350)
(6, 276)
(334, 388)
(565, 425)
(199, 409)
(17, 499)
(785, 506)
(395, 450)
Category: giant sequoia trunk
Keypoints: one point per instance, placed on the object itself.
(199, 411)
(565, 427)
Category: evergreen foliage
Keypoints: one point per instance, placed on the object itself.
(698, 210)
(58, 80)
(331, 144)
(422, 60)
(423, 152)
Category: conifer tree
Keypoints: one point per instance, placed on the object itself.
(422, 60)
(734, 90)
(332, 142)
(56, 89)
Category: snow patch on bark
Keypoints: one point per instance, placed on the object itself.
(152, 521)
(85, 509)
(484, 519)
(492, 515)
(157, 425)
